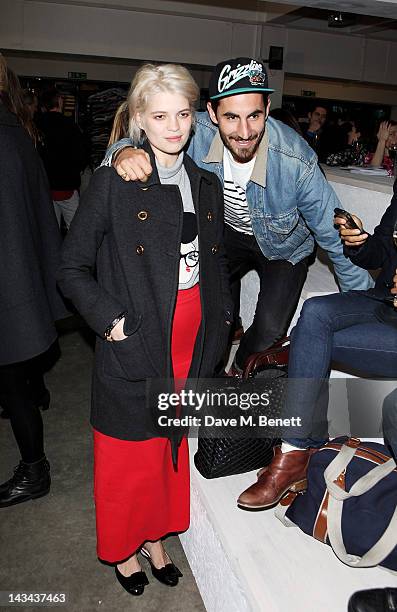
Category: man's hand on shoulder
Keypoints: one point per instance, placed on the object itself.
(133, 164)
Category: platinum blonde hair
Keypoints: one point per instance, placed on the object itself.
(149, 81)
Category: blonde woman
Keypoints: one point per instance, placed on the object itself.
(159, 304)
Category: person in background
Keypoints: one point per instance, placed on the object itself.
(387, 140)
(358, 329)
(314, 128)
(31, 102)
(64, 154)
(284, 115)
(355, 150)
(13, 97)
(276, 199)
(145, 266)
(29, 304)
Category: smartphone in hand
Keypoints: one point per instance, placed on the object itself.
(350, 223)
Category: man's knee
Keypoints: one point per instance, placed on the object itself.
(320, 308)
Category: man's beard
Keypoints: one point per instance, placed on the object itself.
(243, 155)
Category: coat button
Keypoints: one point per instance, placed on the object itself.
(140, 249)
(228, 322)
(143, 215)
(209, 216)
(214, 249)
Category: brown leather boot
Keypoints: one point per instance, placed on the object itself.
(286, 472)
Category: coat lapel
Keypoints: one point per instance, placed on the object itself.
(195, 182)
(159, 202)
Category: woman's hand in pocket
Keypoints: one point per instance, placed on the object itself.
(118, 331)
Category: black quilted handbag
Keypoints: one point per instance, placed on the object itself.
(216, 457)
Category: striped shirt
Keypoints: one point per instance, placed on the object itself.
(236, 177)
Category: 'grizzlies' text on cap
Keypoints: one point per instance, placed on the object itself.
(240, 75)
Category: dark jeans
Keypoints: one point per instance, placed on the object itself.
(341, 327)
(280, 287)
(20, 386)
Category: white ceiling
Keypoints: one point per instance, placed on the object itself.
(377, 8)
(374, 18)
(310, 17)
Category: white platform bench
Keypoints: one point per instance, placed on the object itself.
(248, 561)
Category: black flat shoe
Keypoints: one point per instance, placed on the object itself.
(134, 584)
(168, 575)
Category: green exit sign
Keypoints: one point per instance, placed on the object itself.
(308, 92)
(77, 75)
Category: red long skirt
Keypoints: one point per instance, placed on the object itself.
(138, 494)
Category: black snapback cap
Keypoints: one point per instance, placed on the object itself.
(240, 75)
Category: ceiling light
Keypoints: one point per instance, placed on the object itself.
(335, 20)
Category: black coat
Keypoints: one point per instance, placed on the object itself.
(29, 248)
(379, 251)
(137, 265)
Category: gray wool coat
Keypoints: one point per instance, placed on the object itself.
(121, 254)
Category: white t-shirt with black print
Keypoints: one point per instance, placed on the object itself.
(189, 259)
(235, 179)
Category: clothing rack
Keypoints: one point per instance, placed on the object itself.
(102, 107)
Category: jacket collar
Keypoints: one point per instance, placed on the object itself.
(193, 170)
(215, 155)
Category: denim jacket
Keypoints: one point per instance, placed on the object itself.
(289, 200)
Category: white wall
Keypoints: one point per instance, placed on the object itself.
(341, 56)
(96, 70)
(341, 90)
(112, 32)
(323, 54)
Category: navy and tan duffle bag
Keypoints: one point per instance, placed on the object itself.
(350, 502)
